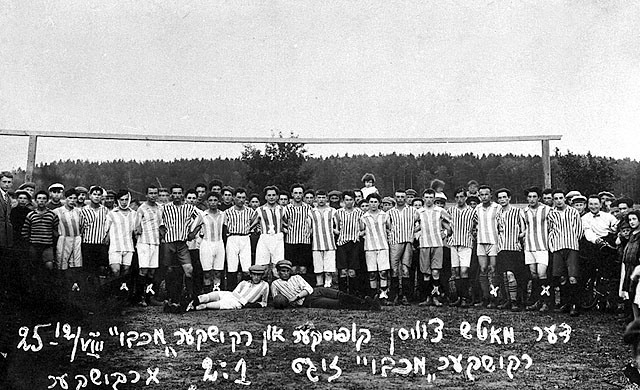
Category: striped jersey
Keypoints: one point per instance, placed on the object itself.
(120, 227)
(348, 223)
(195, 243)
(298, 220)
(271, 219)
(94, 220)
(40, 227)
(211, 225)
(566, 229)
(512, 224)
(431, 219)
(148, 223)
(177, 219)
(291, 288)
(70, 221)
(322, 237)
(462, 221)
(239, 222)
(488, 222)
(403, 223)
(375, 230)
(247, 292)
(537, 220)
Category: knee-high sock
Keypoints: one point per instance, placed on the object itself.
(512, 286)
(484, 284)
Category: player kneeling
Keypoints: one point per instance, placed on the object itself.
(252, 293)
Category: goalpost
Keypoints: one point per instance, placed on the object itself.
(34, 135)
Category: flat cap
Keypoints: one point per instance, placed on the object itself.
(284, 264)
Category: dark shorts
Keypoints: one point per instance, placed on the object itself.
(40, 253)
(298, 254)
(174, 254)
(95, 256)
(510, 261)
(348, 256)
(566, 263)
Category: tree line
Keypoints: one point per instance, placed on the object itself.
(285, 163)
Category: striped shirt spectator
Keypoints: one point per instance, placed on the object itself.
(39, 227)
(566, 229)
(403, 223)
(431, 219)
(271, 219)
(462, 221)
(298, 222)
(177, 220)
(322, 221)
(148, 222)
(512, 222)
(211, 225)
(488, 222)
(348, 223)
(239, 222)
(291, 288)
(94, 220)
(247, 292)
(537, 221)
(70, 221)
(375, 231)
(120, 226)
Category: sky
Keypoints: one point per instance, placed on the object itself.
(318, 69)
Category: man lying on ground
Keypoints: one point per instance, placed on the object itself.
(294, 291)
(252, 293)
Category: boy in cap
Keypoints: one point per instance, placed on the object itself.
(68, 248)
(334, 199)
(294, 291)
(248, 293)
(55, 196)
(82, 196)
(579, 202)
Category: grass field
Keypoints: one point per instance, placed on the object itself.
(198, 349)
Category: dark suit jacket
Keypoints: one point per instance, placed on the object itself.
(6, 230)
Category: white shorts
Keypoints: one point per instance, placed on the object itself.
(228, 301)
(324, 261)
(377, 260)
(460, 256)
(212, 255)
(69, 252)
(148, 255)
(270, 248)
(487, 250)
(238, 253)
(123, 258)
(537, 257)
